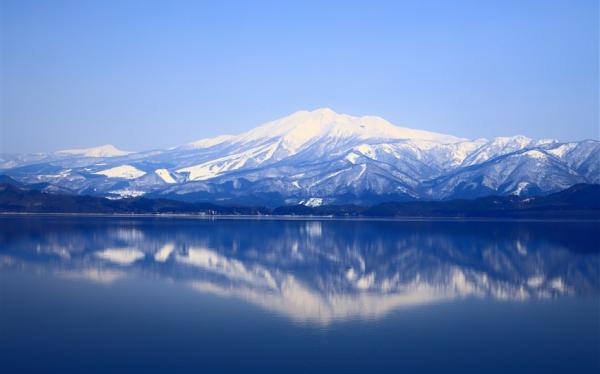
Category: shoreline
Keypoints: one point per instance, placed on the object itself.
(296, 217)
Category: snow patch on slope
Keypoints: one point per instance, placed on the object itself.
(521, 186)
(123, 171)
(252, 157)
(125, 193)
(165, 176)
(352, 157)
(312, 202)
(562, 149)
(209, 142)
(535, 154)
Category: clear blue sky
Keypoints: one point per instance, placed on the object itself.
(143, 75)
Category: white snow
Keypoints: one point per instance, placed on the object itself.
(496, 147)
(350, 274)
(213, 261)
(558, 285)
(562, 149)
(305, 127)
(366, 282)
(165, 176)
(102, 276)
(313, 228)
(107, 150)
(121, 256)
(163, 254)
(62, 174)
(352, 157)
(536, 154)
(519, 188)
(125, 193)
(545, 142)
(328, 176)
(209, 142)
(535, 281)
(363, 168)
(521, 248)
(214, 168)
(123, 171)
(460, 151)
(313, 202)
(460, 283)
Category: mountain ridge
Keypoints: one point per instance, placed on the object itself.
(324, 155)
(581, 201)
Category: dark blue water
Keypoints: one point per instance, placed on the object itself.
(84, 294)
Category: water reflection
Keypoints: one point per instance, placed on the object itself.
(316, 271)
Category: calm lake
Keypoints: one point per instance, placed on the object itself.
(114, 294)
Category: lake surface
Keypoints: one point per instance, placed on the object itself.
(110, 294)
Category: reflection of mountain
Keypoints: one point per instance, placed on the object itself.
(318, 270)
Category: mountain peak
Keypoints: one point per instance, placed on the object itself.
(304, 127)
(107, 150)
(324, 111)
(308, 126)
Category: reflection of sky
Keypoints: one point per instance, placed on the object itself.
(318, 271)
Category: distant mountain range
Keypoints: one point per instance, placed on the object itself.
(581, 201)
(315, 158)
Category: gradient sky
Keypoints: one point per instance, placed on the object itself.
(143, 75)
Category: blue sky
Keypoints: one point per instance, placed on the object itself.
(143, 75)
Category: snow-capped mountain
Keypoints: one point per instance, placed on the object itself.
(8, 161)
(107, 150)
(319, 157)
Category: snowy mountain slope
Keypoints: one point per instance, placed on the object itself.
(322, 132)
(122, 171)
(496, 147)
(208, 142)
(334, 158)
(165, 175)
(521, 172)
(583, 157)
